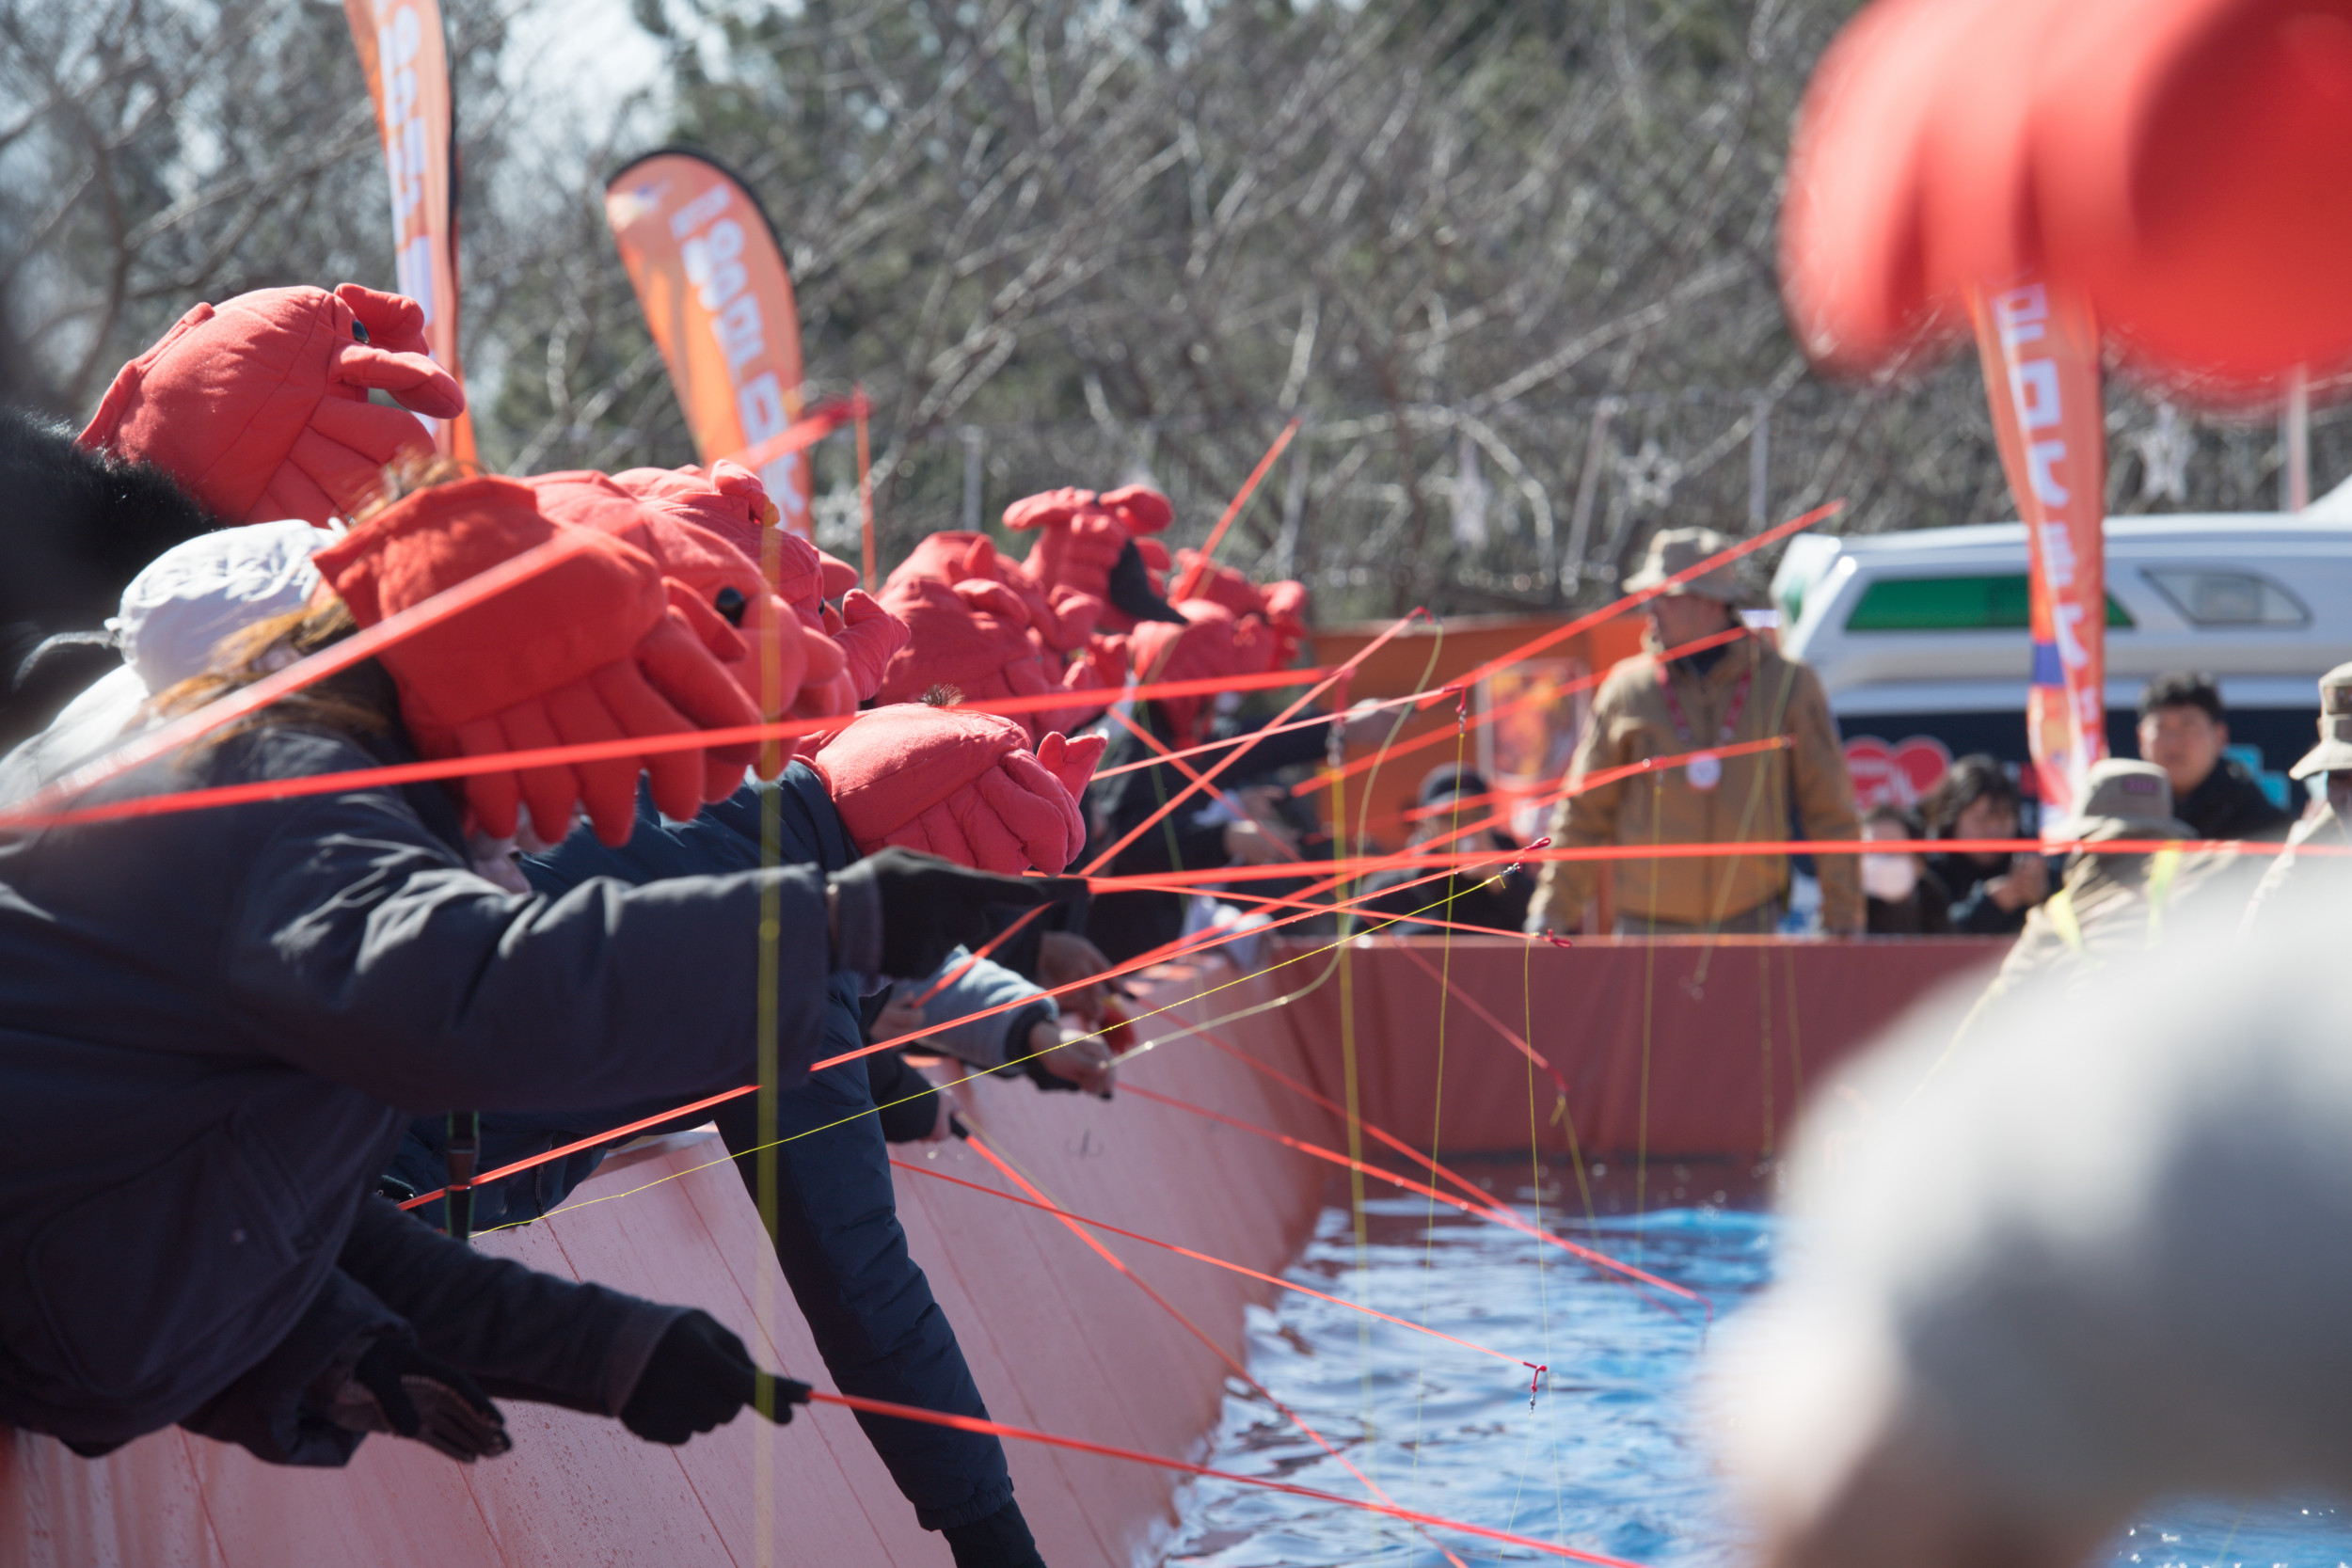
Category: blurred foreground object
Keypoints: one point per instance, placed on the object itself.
(2089, 1257)
(2182, 163)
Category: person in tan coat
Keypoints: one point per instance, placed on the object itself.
(1689, 709)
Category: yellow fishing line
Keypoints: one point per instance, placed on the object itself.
(1649, 990)
(1437, 1098)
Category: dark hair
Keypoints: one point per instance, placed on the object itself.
(1887, 811)
(1448, 781)
(2184, 689)
(1974, 777)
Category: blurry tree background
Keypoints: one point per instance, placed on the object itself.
(1511, 263)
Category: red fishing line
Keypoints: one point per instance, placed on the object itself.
(45, 808)
(937, 1174)
(1480, 1206)
(1106, 1450)
(974, 1143)
(1223, 763)
(1191, 579)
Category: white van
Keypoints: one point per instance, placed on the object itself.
(1920, 638)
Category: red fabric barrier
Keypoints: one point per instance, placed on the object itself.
(1057, 1341)
(1739, 1034)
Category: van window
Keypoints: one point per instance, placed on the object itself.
(1992, 603)
(2211, 598)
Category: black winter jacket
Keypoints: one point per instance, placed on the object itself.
(214, 1026)
(2230, 804)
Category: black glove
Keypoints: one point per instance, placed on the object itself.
(905, 1101)
(397, 1387)
(925, 907)
(1130, 586)
(697, 1378)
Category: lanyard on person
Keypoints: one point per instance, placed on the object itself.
(1705, 770)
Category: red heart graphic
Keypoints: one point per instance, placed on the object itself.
(1897, 774)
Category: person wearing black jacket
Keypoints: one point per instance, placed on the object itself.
(1493, 897)
(1990, 894)
(215, 1026)
(2184, 730)
(1200, 833)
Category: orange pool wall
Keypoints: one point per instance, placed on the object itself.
(1056, 1338)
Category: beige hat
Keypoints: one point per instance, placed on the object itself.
(1679, 550)
(2334, 749)
(2123, 799)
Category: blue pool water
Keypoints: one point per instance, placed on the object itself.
(1610, 1460)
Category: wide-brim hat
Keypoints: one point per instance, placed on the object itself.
(2124, 798)
(1675, 550)
(2334, 750)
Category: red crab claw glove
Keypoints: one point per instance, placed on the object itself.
(1099, 670)
(963, 635)
(951, 556)
(1071, 761)
(1218, 584)
(839, 576)
(584, 650)
(260, 409)
(1139, 509)
(865, 636)
(1286, 615)
(956, 784)
(729, 500)
(706, 574)
(1203, 648)
(1064, 618)
(1080, 534)
(392, 357)
(671, 683)
(868, 636)
(1048, 510)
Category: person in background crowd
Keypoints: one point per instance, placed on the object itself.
(2184, 731)
(2326, 824)
(1027, 1038)
(2109, 904)
(1737, 690)
(1494, 894)
(1905, 899)
(214, 1024)
(2086, 1259)
(1991, 892)
(1203, 829)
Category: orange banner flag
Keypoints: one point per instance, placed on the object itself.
(709, 276)
(2040, 349)
(406, 55)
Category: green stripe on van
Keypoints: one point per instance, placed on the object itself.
(1952, 603)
